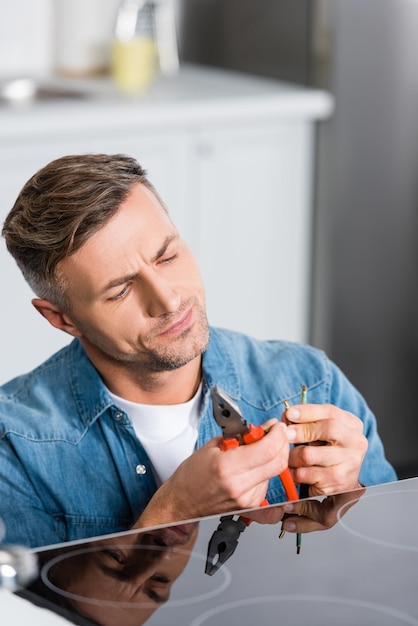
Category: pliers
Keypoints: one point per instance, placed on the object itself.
(236, 431)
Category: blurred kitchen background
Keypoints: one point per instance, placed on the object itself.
(364, 308)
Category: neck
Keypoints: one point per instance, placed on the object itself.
(146, 387)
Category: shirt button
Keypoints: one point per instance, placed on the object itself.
(118, 416)
(141, 469)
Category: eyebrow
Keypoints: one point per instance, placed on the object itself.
(163, 249)
(122, 280)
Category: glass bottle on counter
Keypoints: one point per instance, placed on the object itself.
(144, 45)
(134, 58)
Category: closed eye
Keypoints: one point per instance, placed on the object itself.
(155, 597)
(169, 259)
(116, 555)
(157, 588)
(121, 293)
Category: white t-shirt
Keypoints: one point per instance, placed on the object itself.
(167, 432)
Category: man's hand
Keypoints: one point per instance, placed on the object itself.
(212, 481)
(306, 516)
(332, 461)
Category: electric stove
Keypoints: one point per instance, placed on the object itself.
(359, 566)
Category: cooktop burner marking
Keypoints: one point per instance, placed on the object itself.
(224, 581)
(411, 537)
(401, 617)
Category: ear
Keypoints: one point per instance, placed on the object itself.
(56, 316)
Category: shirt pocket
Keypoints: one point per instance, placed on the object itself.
(75, 527)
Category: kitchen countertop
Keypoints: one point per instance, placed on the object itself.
(360, 568)
(16, 611)
(196, 94)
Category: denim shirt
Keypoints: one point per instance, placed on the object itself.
(71, 465)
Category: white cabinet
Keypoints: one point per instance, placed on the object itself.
(232, 157)
(253, 230)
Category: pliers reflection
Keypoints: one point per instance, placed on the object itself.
(236, 431)
(223, 542)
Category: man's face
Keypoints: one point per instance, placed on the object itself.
(123, 580)
(135, 291)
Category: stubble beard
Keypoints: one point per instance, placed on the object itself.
(172, 355)
(161, 354)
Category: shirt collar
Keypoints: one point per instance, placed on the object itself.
(92, 398)
(219, 366)
(89, 392)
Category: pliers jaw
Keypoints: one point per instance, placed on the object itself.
(228, 415)
(223, 542)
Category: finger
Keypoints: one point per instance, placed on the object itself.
(270, 423)
(259, 461)
(330, 480)
(302, 413)
(300, 524)
(335, 431)
(215, 442)
(312, 515)
(342, 502)
(317, 456)
(304, 516)
(266, 515)
(290, 434)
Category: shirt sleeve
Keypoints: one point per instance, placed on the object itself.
(24, 519)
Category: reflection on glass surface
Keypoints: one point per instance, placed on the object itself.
(300, 517)
(361, 571)
(123, 579)
(120, 581)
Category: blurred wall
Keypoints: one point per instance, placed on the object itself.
(30, 36)
(266, 37)
(365, 312)
(25, 37)
(364, 279)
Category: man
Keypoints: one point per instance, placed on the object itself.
(122, 580)
(117, 428)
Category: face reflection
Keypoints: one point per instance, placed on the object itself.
(137, 569)
(135, 291)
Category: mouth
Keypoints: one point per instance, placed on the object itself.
(181, 325)
(178, 535)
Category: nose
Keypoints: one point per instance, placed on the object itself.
(158, 295)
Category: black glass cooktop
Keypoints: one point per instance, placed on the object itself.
(359, 568)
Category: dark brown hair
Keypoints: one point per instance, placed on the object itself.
(60, 208)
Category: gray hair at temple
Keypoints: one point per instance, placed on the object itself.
(60, 208)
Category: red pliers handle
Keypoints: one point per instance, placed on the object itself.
(253, 434)
(236, 431)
